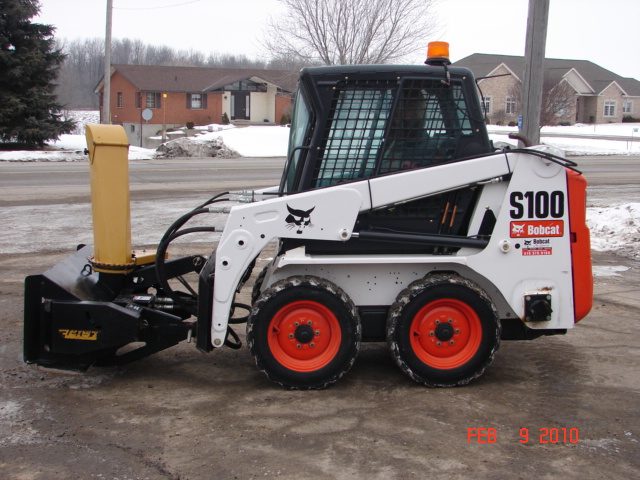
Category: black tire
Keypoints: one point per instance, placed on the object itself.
(304, 333)
(443, 331)
(257, 286)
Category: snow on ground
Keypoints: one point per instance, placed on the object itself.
(584, 145)
(254, 141)
(68, 148)
(251, 141)
(42, 156)
(82, 118)
(615, 228)
(609, 270)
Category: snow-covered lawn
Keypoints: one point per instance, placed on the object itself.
(583, 145)
(258, 141)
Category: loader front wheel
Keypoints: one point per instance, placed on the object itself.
(304, 333)
(443, 331)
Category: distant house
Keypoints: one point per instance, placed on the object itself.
(175, 96)
(576, 91)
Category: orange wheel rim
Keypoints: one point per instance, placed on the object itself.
(445, 333)
(304, 336)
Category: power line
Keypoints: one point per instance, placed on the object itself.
(158, 7)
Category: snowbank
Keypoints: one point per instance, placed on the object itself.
(254, 141)
(186, 147)
(615, 228)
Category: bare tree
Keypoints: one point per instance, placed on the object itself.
(83, 66)
(558, 102)
(350, 31)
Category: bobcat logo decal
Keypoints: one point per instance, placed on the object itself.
(299, 219)
(517, 229)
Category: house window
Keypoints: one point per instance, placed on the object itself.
(627, 106)
(486, 105)
(120, 100)
(196, 100)
(152, 100)
(609, 108)
(510, 107)
(138, 100)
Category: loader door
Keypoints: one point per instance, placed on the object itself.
(376, 128)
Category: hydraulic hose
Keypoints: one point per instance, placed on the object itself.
(188, 300)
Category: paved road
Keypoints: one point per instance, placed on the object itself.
(610, 170)
(34, 183)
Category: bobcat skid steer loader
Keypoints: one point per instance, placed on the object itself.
(395, 221)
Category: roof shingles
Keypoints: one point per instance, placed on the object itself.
(599, 78)
(198, 79)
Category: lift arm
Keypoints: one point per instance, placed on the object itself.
(328, 214)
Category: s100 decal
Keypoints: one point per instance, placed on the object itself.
(540, 204)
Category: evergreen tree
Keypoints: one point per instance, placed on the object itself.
(29, 63)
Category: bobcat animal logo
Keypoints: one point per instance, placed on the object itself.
(517, 229)
(299, 219)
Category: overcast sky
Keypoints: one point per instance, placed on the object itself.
(604, 32)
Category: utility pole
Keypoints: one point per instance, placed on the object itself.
(534, 69)
(106, 92)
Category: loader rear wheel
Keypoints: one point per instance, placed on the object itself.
(304, 332)
(443, 331)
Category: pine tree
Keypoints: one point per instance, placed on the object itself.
(29, 63)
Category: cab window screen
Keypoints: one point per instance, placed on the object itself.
(427, 125)
(355, 133)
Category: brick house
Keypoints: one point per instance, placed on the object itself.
(576, 91)
(177, 95)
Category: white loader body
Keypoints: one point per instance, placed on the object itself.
(526, 255)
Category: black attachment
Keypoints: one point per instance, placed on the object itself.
(537, 308)
(75, 318)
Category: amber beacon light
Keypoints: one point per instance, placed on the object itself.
(438, 53)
